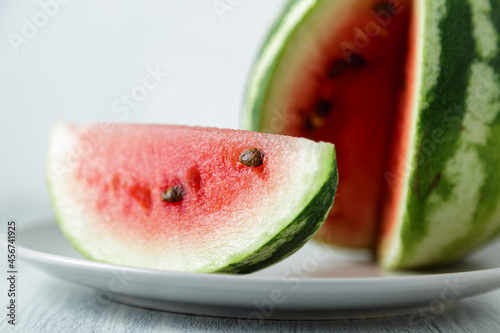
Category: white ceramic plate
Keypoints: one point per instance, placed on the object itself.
(315, 283)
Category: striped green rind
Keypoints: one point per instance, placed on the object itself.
(450, 203)
(296, 234)
(453, 191)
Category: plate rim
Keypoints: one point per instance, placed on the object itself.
(34, 255)
(213, 294)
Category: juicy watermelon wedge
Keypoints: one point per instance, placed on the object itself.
(180, 198)
(408, 90)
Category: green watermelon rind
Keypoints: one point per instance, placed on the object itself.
(289, 240)
(268, 58)
(438, 227)
(284, 244)
(308, 215)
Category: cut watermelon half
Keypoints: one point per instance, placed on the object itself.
(187, 198)
(409, 92)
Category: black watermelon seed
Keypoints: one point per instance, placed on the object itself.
(337, 68)
(357, 61)
(252, 157)
(173, 194)
(308, 124)
(323, 107)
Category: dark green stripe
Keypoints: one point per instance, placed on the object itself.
(490, 194)
(495, 19)
(443, 115)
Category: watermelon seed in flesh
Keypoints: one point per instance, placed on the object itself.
(178, 197)
(173, 194)
(357, 61)
(252, 157)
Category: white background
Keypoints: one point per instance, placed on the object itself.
(89, 52)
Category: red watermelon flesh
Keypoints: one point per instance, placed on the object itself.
(108, 183)
(357, 82)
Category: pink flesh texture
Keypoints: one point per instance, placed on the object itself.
(364, 109)
(122, 177)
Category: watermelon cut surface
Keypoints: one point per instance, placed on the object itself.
(409, 92)
(180, 198)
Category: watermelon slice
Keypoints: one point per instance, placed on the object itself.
(187, 198)
(409, 92)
